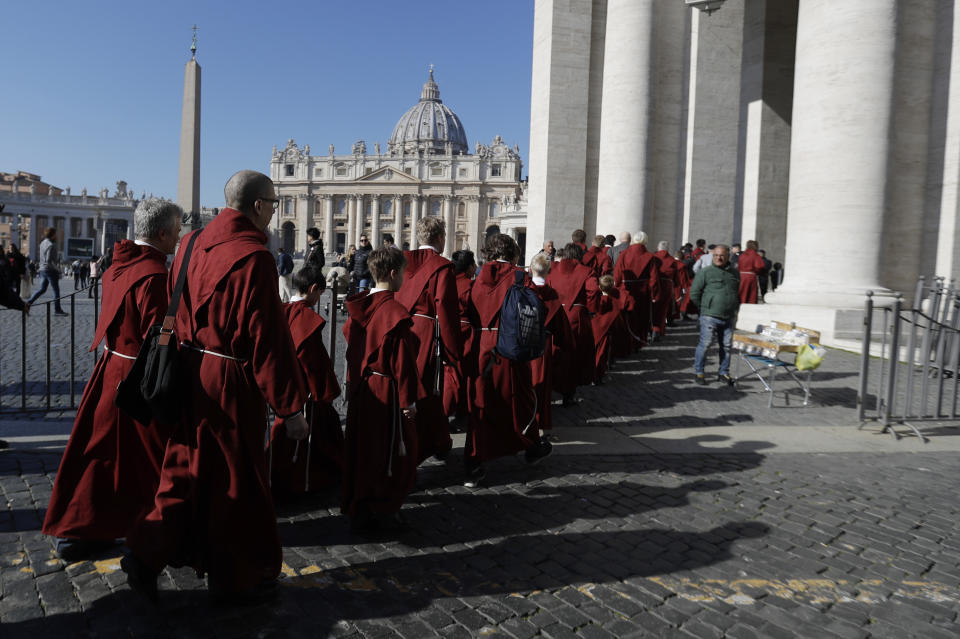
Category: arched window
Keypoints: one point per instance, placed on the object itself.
(461, 210)
(435, 204)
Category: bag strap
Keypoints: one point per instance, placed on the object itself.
(171, 315)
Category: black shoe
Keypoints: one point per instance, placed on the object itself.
(61, 313)
(140, 578)
(568, 400)
(725, 379)
(442, 457)
(391, 522)
(71, 550)
(475, 477)
(700, 379)
(538, 453)
(263, 592)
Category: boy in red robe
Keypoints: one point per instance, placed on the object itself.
(111, 466)
(289, 459)
(579, 294)
(665, 305)
(383, 386)
(213, 510)
(608, 325)
(504, 405)
(559, 338)
(454, 383)
(596, 258)
(429, 293)
(750, 265)
(637, 275)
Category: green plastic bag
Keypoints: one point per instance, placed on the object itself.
(810, 357)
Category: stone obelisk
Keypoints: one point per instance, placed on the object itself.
(188, 183)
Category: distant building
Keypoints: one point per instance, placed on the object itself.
(31, 205)
(426, 170)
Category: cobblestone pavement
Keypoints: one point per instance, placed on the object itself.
(745, 543)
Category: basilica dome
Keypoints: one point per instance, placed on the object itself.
(428, 126)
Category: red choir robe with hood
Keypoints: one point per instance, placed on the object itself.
(503, 403)
(213, 509)
(750, 265)
(380, 448)
(455, 378)
(429, 293)
(608, 330)
(326, 436)
(578, 291)
(637, 275)
(666, 302)
(559, 338)
(596, 259)
(111, 466)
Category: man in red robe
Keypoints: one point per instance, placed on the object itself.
(596, 258)
(213, 510)
(579, 294)
(608, 325)
(455, 393)
(503, 412)
(579, 237)
(637, 275)
(380, 461)
(111, 466)
(665, 306)
(429, 293)
(293, 470)
(750, 265)
(559, 338)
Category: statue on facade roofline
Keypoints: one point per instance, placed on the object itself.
(376, 147)
(331, 149)
(306, 149)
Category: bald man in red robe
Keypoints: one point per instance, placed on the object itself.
(213, 510)
(381, 454)
(637, 275)
(665, 305)
(503, 415)
(559, 338)
(111, 466)
(596, 258)
(429, 293)
(579, 295)
(288, 458)
(750, 265)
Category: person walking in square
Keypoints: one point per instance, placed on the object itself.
(49, 269)
(715, 292)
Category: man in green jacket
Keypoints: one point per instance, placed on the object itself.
(715, 292)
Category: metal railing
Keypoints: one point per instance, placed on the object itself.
(918, 382)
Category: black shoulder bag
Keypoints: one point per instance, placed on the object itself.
(153, 388)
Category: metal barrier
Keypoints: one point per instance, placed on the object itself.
(919, 382)
(18, 332)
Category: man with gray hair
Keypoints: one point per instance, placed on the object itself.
(111, 467)
(213, 510)
(614, 252)
(715, 292)
(637, 275)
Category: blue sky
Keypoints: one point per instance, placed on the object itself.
(92, 90)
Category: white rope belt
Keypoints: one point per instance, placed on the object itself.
(214, 353)
(429, 317)
(747, 273)
(576, 305)
(463, 321)
(113, 352)
(372, 372)
(495, 328)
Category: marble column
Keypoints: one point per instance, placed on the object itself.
(623, 196)
(414, 216)
(361, 215)
(375, 221)
(451, 226)
(351, 223)
(398, 220)
(329, 243)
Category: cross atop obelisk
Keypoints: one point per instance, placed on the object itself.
(188, 182)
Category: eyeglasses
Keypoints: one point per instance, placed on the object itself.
(275, 203)
(364, 240)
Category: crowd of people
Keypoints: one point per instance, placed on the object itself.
(432, 345)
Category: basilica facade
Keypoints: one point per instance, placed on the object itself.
(426, 169)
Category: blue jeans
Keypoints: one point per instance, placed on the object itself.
(53, 279)
(711, 327)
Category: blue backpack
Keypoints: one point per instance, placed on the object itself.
(522, 336)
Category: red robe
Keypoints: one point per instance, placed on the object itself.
(380, 452)
(111, 466)
(429, 293)
(750, 265)
(608, 326)
(213, 509)
(665, 306)
(503, 403)
(579, 295)
(596, 258)
(454, 382)
(559, 338)
(637, 274)
(326, 436)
